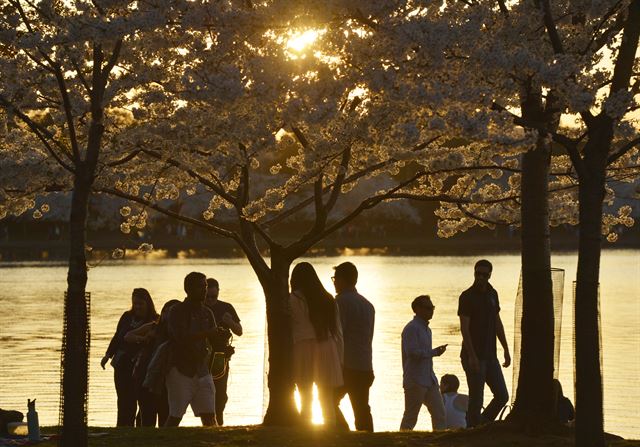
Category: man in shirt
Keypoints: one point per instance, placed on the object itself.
(357, 316)
(228, 320)
(418, 379)
(191, 323)
(480, 324)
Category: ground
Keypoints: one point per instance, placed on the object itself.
(249, 436)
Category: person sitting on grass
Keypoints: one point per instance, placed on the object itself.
(455, 405)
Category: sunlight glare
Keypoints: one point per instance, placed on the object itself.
(299, 41)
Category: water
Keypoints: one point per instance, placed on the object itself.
(30, 328)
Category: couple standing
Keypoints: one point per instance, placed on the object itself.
(332, 344)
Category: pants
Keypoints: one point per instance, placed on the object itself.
(491, 374)
(356, 385)
(414, 397)
(126, 392)
(221, 396)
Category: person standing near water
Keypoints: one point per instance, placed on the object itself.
(228, 322)
(123, 354)
(357, 317)
(480, 324)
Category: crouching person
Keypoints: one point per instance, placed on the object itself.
(191, 327)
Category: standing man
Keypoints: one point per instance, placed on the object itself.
(418, 379)
(228, 322)
(479, 312)
(191, 323)
(357, 316)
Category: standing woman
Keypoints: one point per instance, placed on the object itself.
(317, 341)
(124, 353)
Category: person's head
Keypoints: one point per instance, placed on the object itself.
(166, 308)
(195, 285)
(557, 389)
(449, 383)
(213, 289)
(304, 280)
(423, 307)
(482, 272)
(345, 276)
(142, 305)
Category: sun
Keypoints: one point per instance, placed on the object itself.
(299, 41)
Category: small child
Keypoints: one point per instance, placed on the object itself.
(455, 405)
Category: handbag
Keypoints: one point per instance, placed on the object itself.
(218, 365)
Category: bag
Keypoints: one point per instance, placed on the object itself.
(218, 365)
(158, 368)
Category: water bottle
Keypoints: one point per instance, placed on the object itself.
(32, 421)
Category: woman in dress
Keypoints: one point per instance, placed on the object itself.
(124, 353)
(317, 341)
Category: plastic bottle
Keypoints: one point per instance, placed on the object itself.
(32, 421)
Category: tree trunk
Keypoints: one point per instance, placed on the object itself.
(281, 409)
(589, 411)
(76, 341)
(534, 406)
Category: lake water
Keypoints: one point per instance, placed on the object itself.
(31, 297)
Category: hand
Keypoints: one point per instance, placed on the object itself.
(440, 350)
(507, 360)
(104, 361)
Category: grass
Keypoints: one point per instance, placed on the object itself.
(248, 436)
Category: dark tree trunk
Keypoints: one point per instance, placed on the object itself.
(281, 409)
(534, 404)
(589, 410)
(76, 347)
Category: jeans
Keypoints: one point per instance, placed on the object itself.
(221, 396)
(356, 385)
(490, 373)
(414, 397)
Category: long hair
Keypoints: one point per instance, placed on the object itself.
(322, 310)
(139, 292)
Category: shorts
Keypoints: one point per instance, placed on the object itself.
(198, 391)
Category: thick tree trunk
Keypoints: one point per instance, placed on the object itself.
(534, 404)
(76, 342)
(281, 409)
(589, 410)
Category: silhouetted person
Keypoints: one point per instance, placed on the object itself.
(479, 311)
(123, 355)
(455, 405)
(565, 412)
(228, 323)
(418, 379)
(357, 317)
(150, 336)
(317, 341)
(189, 381)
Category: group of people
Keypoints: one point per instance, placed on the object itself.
(162, 364)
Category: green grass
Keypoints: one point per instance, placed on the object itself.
(248, 436)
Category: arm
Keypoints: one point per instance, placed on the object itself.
(338, 335)
(414, 348)
(503, 341)
(115, 341)
(465, 328)
(229, 322)
(140, 334)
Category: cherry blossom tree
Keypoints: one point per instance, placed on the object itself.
(66, 72)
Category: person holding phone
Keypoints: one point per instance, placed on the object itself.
(418, 379)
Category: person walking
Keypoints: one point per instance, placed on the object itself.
(123, 355)
(317, 342)
(480, 324)
(357, 317)
(192, 329)
(228, 322)
(418, 379)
